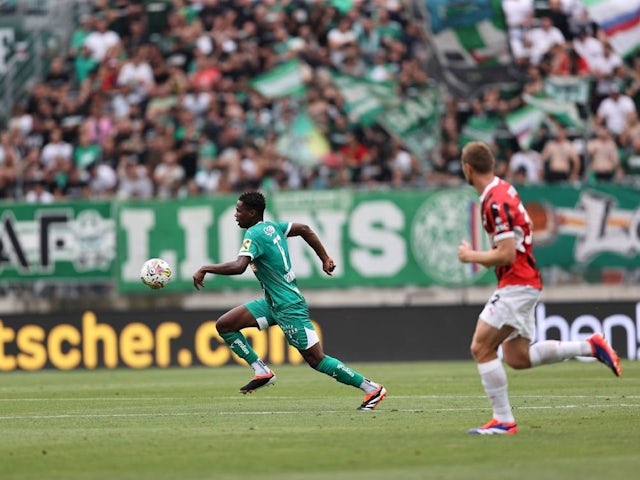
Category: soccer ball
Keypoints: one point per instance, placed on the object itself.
(155, 273)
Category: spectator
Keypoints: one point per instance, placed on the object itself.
(102, 180)
(209, 176)
(168, 175)
(526, 166)
(80, 34)
(543, 38)
(560, 159)
(36, 192)
(388, 29)
(98, 124)
(353, 153)
(446, 165)
(32, 168)
(589, 48)
(631, 128)
(101, 39)
(75, 185)
(368, 38)
(517, 13)
(565, 61)
(86, 151)
(614, 110)
(559, 11)
(603, 159)
(404, 167)
(84, 64)
(603, 66)
(10, 159)
(58, 78)
(55, 148)
(339, 39)
(135, 77)
(133, 180)
(630, 161)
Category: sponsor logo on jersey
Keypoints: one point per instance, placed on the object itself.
(269, 230)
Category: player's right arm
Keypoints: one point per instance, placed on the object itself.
(309, 236)
(504, 253)
(235, 267)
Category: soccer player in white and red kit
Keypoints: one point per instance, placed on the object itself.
(507, 319)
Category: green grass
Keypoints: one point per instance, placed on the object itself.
(577, 421)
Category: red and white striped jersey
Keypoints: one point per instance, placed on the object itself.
(504, 216)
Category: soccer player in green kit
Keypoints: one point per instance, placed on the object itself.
(264, 247)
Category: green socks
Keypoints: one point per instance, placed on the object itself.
(329, 365)
(239, 345)
(338, 370)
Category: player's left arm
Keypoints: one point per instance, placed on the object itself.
(504, 253)
(309, 236)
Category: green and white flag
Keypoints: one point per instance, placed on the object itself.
(284, 80)
(564, 112)
(469, 33)
(523, 123)
(365, 100)
(480, 128)
(416, 121)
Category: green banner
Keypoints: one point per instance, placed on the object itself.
(285, 79)
(416, 122)
(585, 229)
(568, 88)
(376, 239)
(60, 241)
(384, 239)
(364, 100)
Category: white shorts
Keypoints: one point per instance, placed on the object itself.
(513, 306)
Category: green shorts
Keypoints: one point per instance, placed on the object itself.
(260, 310)
(293, 320)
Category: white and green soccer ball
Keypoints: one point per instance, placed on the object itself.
(155, 273)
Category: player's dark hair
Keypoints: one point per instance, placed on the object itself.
(254, 201)
(479, 156)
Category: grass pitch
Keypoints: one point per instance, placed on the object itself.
(576, 420)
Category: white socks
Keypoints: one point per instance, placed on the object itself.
(260, 368)
(367, 386)
(552, 351)
(494, 376)
(494, 381)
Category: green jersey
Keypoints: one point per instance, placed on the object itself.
(266, 244)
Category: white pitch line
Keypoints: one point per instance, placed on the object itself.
(94, 415)
(271, 397)
(296, 412)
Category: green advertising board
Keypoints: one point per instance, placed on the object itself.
(588, 228)
(377, 238)
(62, 241)
(381, 239)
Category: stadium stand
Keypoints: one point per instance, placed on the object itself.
(158, 98)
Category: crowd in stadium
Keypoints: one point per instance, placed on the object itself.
(138, 108)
